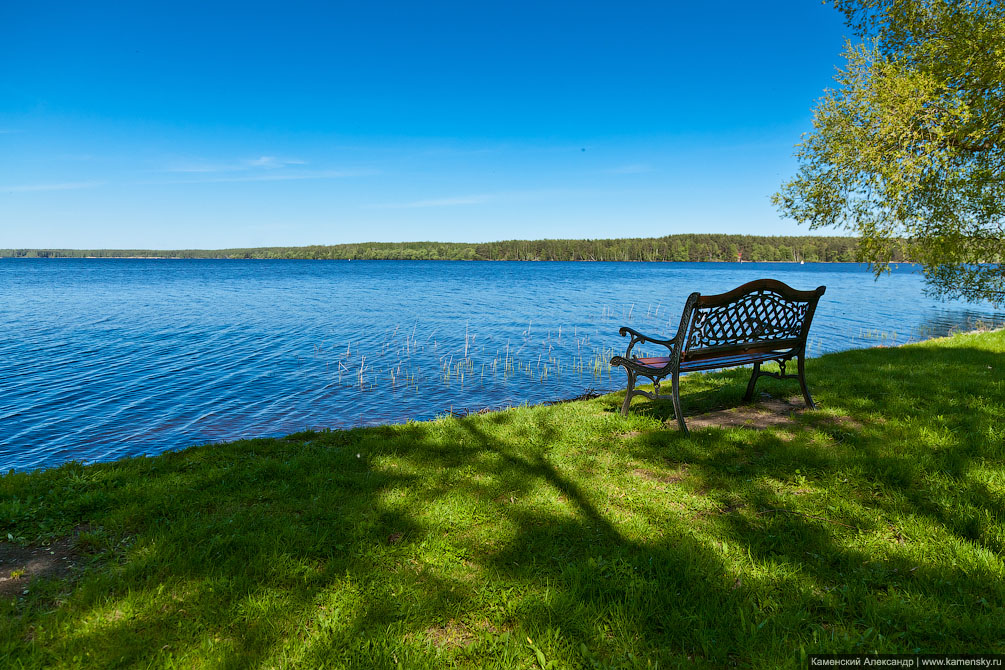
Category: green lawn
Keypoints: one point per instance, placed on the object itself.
(560, 536)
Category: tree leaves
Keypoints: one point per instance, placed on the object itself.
(907, 149)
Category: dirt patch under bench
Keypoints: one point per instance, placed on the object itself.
(767, 412)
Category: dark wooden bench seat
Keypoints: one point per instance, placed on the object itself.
(761, 321)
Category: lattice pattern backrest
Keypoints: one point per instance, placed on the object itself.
(760, 316)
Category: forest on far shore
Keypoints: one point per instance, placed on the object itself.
(673, 248)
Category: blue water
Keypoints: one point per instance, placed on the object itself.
(102, 359)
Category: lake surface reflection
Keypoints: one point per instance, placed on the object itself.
(109, 358)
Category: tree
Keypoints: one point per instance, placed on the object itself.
(908, 151)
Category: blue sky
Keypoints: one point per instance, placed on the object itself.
(207, 125)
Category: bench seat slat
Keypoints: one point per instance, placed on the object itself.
(657, 362)
(742, 350)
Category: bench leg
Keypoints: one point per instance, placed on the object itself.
(676, 403)
(753, 381)
(801, 366)
(628, 393)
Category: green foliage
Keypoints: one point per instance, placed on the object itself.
(908, 150)
(562, 536)
(680, 248)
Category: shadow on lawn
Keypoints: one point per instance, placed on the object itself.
(355, 547)
(947, 415)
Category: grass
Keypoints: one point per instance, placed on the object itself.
(561, 536)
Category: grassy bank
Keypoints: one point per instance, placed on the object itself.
(559, 536)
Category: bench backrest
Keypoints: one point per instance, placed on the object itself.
(762, 315)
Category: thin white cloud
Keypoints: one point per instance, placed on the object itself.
(65, 186)
(530, 195)
(273, 162)
(286, 176)
(262, 162)
(438, 202)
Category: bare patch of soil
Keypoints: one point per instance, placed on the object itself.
(846, 421)
(455, 634)
(19, 565)
(766, 413)
(727, 508)
(731, 507)
(671, 478)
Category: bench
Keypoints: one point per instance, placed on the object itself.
(761, 321)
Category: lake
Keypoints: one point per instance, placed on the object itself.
(102, 359)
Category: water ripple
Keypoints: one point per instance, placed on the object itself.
(109, 358)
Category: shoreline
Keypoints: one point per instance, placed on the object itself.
(434, 260)
(680, 247)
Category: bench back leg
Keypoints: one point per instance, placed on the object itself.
(802, 382)
(676, 403)
(753, 381)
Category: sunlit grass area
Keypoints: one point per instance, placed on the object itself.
(562, 536)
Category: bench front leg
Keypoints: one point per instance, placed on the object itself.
(675, 384)
(753, 381)
(628, 393)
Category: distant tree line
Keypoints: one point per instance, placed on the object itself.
(675, 248)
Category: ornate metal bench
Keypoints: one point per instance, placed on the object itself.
(763, 320)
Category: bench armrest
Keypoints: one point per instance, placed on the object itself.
(638, 337)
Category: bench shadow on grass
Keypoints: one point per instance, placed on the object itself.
(910, 436)
(354, 548)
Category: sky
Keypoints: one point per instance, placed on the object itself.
(211, 125)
